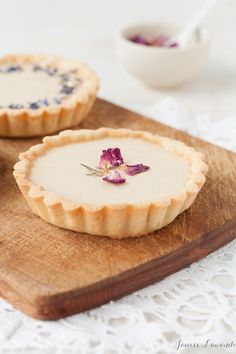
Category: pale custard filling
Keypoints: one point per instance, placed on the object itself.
(26, 86)
(60, 171)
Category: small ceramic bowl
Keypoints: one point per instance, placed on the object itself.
(160, 66)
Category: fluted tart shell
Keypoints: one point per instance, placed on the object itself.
(27, 122)
(112, 220)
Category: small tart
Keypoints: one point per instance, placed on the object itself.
(41, 95)
(59, 190)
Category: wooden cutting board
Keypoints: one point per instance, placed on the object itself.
(48, 272)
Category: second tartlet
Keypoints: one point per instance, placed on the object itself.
(41, 95)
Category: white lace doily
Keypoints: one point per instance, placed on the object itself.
(194, 305)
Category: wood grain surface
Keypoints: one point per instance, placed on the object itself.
(48, 272)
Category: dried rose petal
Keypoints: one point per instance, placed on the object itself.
(132, 170)
(159, 41)
(111, 157)
(114, 177)
(139, 39)
(173, 45)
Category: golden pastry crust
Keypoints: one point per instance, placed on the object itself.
(118, 220)
(53, 118)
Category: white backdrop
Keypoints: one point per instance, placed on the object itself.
(86, 29)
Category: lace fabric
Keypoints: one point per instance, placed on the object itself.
(194, 305)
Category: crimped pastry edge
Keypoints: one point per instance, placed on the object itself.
(47, 120)
(118, 220)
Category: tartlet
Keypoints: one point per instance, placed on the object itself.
(141, 183)
(41, 95)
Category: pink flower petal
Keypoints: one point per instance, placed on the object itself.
(132, 170)
(160, 41)
(114, 177)
(111, 157)
(139, 39)
(173, 45)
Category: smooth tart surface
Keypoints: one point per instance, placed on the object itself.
(55, 181)
(41, 94)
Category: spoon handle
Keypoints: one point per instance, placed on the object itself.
(183, 37)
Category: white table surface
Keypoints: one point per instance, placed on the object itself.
(86, 30)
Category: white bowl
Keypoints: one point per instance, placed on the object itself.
(159, 66)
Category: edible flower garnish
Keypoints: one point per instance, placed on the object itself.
(94, 171)
(114, 177)
(68, 83)
(132, 170)
(111, 157)
(111, 166)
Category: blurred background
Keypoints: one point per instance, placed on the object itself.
(86, 29)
